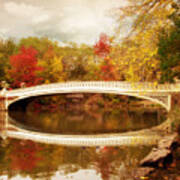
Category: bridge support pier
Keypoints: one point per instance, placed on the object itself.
(3, 103)
(164, 100)
(169, 102)
(3, 124)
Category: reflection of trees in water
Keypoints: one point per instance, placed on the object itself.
(118, 162)
(98, 116)
(90, 121)
(93, 114)
(43, 160)
(26, 156)
(103, 162)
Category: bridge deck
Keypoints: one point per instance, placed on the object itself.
(158, 93)
(101, 85)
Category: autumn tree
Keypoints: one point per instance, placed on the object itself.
(108, 70)
(78, 61)
(102, 47)
(39, 44)
(147, 14)
(24, 68)
(169, 49)
(7, 48)
(138, 57)
(53, 66)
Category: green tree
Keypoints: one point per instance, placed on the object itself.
(40, 44)
(7, 48)
(169, 49)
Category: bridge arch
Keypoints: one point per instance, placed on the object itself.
(160, 94)
(52, 91)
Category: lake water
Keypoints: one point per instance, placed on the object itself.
(21, 160)
(73, 120)
(29, 160)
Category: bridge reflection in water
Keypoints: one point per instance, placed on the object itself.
(141, 137)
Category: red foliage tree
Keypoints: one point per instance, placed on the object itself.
(108, 70)
(102, 47)
(24, 67)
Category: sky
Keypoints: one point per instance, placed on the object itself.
(80, 21)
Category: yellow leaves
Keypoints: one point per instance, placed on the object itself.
(47, 81)
(41, 63)
(53, 69)
(146, 59)
(153, 65)
(149, 13)
(155, 84)
(143, 177)
(153, 52)
(57, 66)
(139, 57)
(1, 55)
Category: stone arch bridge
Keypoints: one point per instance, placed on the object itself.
(160, 94)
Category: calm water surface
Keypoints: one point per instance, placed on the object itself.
(28, 160)
(21, 160)
(86, 122)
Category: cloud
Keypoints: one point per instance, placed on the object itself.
(4, 30)
(27, 11)
(80, 21)
(81, 24)
(40, 19)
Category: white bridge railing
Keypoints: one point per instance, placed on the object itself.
(101, 85)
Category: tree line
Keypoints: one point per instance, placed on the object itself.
(150, 52)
